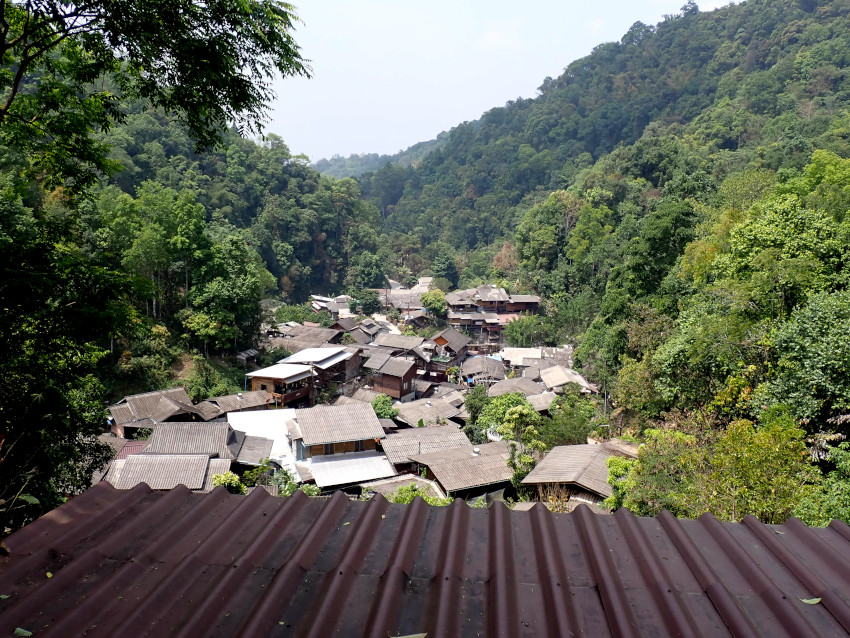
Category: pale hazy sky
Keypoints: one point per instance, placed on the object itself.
(390, 73)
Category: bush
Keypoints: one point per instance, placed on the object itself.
(230, 482)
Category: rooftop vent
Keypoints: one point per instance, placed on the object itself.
(476, 451)
(239, 395)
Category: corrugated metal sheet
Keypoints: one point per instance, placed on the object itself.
(428, 411)
(338, 423)
(582, 465)
(463, 468)
(350, 469)
(242, 400)
(399, 446)
(178, 564)
(398, 342)
(212, 439)
(144, 406)
(161, 471)
(518, 384)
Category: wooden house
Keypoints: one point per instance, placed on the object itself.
(290, 384)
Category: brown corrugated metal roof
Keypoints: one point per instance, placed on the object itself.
(400, 445)
(179, 564)
(338, 423)
(463, 468)
(582, 465)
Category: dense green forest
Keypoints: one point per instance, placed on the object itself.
(679, 198)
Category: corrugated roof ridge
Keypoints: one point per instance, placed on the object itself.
(790, 617)
(678, 619)
(557, 597)
(205, 616)
(504, 610)
(103, 597)
(175, 583)
(723, 600)
(325, 609)
(398, 570)
(836, 605)
(604, 573)
(444, 593)
(283, 585)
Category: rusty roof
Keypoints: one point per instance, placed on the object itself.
(182, 564)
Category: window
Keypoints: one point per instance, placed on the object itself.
(263, 386)
(359, 446)
(329, 448)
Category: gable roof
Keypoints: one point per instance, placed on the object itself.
(398, 342)
(581, 465)
(558, 376)
(518, 384)
(321, 357)
(138, 407)
(165, 471)
(338, 423)
(396, 367)
(516, 356)
(483, 367)
(427, 410)
(120, 562)
(463, 468)
(240, 401)
(212, 439)
(455, 341)
(400, 445)
(288, 372)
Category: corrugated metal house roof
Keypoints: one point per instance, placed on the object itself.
(581, 465)
(165, 471)
(402, 444)
(175, 563)
(396, 367)
(338, 423)
(137, 407)
(428, 411)
(398, 342)
(212, 439)
(518, 384)
(241, 401)
(350, 469)
(463, 468)
(483, 367)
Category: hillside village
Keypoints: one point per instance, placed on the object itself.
(314, 415)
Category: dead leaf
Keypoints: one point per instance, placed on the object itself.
(810, 601)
